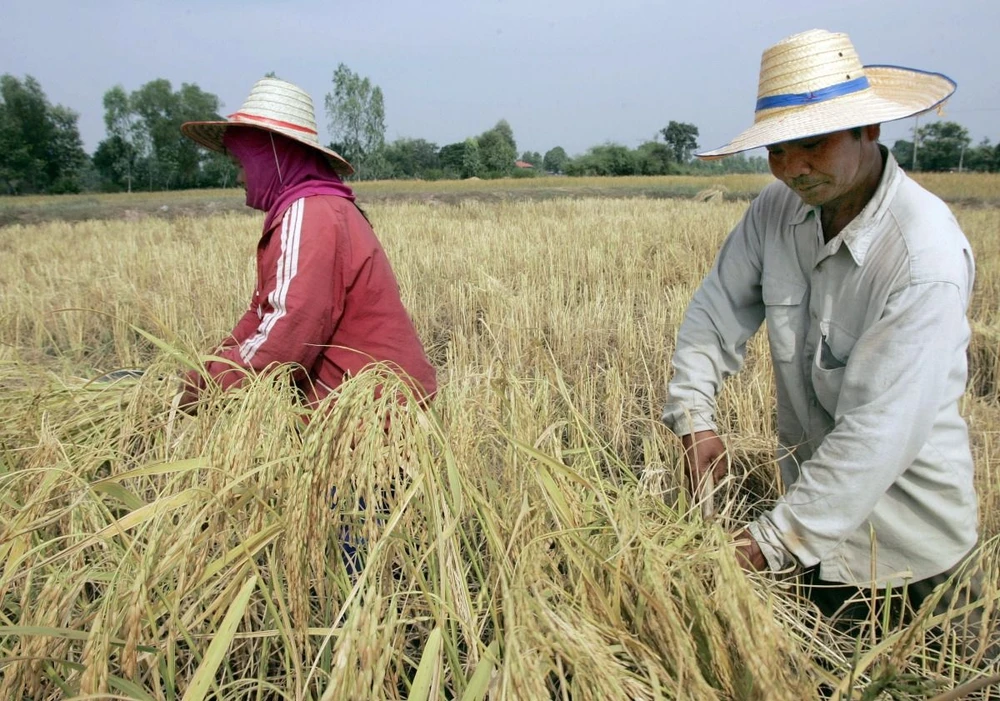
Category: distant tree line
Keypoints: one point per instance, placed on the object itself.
(946, 146)
(143, 149)
(40, 146)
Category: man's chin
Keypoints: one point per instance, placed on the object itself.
(811, 195)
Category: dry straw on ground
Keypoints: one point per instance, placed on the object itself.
(525, 538)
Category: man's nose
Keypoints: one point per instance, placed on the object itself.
(796, 164)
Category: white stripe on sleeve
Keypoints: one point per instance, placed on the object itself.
(288, 266)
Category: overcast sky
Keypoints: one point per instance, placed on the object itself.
(573, 73)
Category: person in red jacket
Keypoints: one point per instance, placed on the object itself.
(326, 297)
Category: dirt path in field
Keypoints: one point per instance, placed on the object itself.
(37, 210)
(193, 203)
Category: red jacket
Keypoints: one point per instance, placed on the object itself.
(327, 300)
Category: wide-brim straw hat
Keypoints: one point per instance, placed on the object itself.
(814, 83)
(276, 106)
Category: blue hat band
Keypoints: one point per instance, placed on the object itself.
(808, 98)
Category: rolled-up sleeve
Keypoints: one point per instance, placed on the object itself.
(724, 313)
(900, 374)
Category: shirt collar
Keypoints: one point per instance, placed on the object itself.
(859, 234)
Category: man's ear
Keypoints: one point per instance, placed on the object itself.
(873, 131)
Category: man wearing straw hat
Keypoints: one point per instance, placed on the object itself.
(864, 279)
(326, 297)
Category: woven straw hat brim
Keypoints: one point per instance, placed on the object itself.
(209, 135)
(894, 93)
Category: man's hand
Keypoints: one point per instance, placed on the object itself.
(704, 454)
(748, 553)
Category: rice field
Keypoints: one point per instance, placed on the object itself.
(527, 537)
(969, 189)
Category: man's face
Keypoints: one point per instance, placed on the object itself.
(823, 169)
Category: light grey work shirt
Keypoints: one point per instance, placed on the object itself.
(868, 337)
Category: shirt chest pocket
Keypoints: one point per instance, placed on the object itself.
(834, 347)
(833, 350)
(783, 309)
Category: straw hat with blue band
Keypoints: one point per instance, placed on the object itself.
(273, 105)
(814, 83)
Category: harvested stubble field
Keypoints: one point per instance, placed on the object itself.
(531, 539)
(973, 189)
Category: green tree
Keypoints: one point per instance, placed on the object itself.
(217, 170)
(902, 151)
(980, 157)
(451, 157)
(741, 163)
(115, 164)
(194, 104)
(941, 146)
(681, 137)
(116, 157)
(606, 159)
(503, 128)
(411, 158)
(144, 144)
(555, 160)
(532, 157)
(154, 107)
(175, 160)
(24, 131)
(356, 113)
(737, 163)
(472, 164)
(498, 150)
(654, 158)
(66, 157)
(40, 147)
